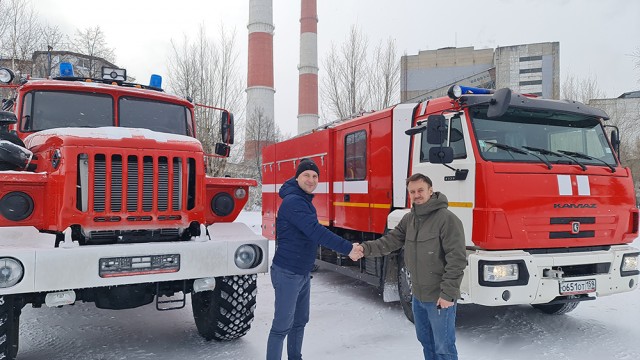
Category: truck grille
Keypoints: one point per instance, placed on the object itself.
(139, 184)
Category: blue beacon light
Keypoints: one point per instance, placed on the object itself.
(156, 81)
(66, 69)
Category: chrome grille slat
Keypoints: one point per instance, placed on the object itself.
(99, 183)
(132, 183)
(177, 184)
(163, 184)
(116, 183)
(147, 184)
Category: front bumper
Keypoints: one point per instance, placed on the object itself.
(49, 269)
(541, 287)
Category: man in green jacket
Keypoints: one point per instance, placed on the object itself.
(435, 256)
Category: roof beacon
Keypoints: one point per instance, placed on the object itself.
(66, 69)
(456, 91)
(156, 81)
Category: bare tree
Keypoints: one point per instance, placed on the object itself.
(384, 80)
(636, 59)
(264, 130)
(3, 24)
(18, 33)
(344, 87)
(207, 71)
(91, 42)
(582, 90)
(352, 83)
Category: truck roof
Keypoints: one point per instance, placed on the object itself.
(114, 89)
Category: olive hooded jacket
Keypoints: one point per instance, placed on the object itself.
(434, 249)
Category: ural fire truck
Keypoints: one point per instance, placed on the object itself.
(548, 211)
(112, 175)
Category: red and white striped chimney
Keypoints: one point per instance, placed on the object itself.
(260, 90)
(308, 68)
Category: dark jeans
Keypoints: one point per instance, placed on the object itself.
(291, 313)
(436, 330)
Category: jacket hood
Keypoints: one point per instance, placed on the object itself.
(291, 187)
(437, 201)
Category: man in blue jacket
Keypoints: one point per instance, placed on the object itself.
(298, 234)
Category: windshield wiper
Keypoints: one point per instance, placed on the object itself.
(587, 157)
(549, 152)
(520, 151)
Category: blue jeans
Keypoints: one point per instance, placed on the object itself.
(291, 313)
(436, 330)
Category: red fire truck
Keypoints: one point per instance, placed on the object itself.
(548, 210)
(112, 175)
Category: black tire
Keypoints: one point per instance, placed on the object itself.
(226, 313)
(404, 287)
(9, 327)
(557, 309)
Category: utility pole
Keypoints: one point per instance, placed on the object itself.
(49, 48)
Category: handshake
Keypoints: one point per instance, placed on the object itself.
(357, 252)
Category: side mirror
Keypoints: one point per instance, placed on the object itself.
(222, 149)
(226, 128)
(615, 141)
(7, 118)
(436, 129)
(440, 155)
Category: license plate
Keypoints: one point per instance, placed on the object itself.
(577, 287)
(139, 265)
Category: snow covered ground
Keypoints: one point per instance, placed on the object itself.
(348, 321)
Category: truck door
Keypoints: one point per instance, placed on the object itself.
(351, 186)
(461, 193)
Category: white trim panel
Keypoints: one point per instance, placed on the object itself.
(400, 152)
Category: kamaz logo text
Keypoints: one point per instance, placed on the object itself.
(575, 206)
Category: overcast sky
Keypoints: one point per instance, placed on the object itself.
(596, 37)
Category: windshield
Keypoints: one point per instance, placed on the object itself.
(153, 115)
(44, 110)
(533, 136)
(55, 109)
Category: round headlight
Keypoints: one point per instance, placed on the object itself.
(222, 204)
(6, 75)
(240, 193)
(247, 257)
(16, 206)
(454, 92)
(11, 272)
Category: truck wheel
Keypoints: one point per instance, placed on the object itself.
(404, 287)
(556, 309)
(226, 312)
(9, 327)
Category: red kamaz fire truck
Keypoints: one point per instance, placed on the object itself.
(548, 210)
(113, 172)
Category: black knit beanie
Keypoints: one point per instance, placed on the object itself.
(307, 164)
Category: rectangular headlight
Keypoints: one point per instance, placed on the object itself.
(114, 74)
(501, 272)
(629, 262)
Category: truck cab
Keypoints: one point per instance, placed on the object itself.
(112, 175)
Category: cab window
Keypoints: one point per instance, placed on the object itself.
(355, 156)
(453, 138)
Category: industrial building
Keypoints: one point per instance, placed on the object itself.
(529, 68)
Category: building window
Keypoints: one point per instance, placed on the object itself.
(531, 82)
(530, 58)
(355, 156)
(530, 71)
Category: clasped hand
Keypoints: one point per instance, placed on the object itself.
(357, 252)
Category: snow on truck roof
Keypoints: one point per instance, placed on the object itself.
(112, 133)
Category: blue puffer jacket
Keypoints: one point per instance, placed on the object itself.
(298, 232)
